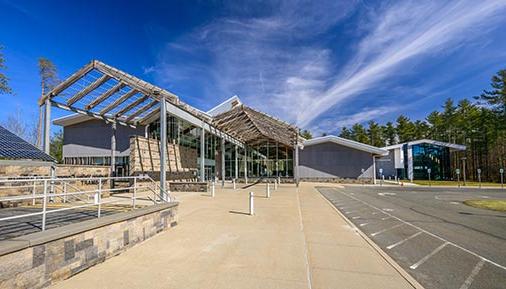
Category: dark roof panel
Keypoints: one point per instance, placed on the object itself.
(14, 147)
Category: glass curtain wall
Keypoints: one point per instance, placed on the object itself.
(436, 158)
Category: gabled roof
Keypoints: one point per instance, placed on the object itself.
(225, 106)
(252, 126)
(12, 147)
(346, 142)
(104, 92)
(429, 141)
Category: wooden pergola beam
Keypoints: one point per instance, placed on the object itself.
(101, 80)
(131, 106)
(118, 101)
(141, 110)
(105, 95)
(68, 82)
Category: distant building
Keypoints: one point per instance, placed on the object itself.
(412, 160)
(332, 158)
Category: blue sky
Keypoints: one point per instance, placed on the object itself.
(319, 64)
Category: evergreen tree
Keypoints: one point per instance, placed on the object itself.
(345, 133)
(405, 129)
(358, 133)
(496, 97)
(375, 134)
(306, 134)
(4, 80)
(389, 133)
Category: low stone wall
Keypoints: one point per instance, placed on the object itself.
(188, 186)
(41, 259)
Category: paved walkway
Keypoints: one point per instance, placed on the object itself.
(295, 240)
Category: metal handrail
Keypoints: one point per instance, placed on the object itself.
(50, 187)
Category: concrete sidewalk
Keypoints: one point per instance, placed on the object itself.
(295, 240)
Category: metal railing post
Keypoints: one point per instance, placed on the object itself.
(251, 204)
(64, 192)
(44, 206)
(99, 193)
(135, 193)
(33, 192)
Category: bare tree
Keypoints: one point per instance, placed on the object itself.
(17, 124)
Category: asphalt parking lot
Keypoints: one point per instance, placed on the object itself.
(440, 241)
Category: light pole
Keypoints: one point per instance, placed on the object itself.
(501, 171)
(464, 170)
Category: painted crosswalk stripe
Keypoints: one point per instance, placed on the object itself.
(417, 264)
(403, 241)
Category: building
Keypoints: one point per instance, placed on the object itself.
(121, 121)
(20, 158)
(332, 158)
(412, 160)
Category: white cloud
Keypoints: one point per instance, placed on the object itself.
(279, 64)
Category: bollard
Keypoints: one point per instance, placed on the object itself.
(268, 191)
(251, 204)
(233, 181)
(213, 184)
(275, 184)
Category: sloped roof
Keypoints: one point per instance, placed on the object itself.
(12, 147)
(453, 146)
(252, 126)
(225, 106)
(346, 142)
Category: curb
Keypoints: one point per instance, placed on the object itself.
(377, 248)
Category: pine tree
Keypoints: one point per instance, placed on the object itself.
(359, 133)
(375, 134)
(4, 80)
(345, 133)
(306, 134)
(405, 129)
(389, 133)
(496, 97)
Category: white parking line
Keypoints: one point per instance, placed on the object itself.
(387, 229)
(356, 217)
(414, 266)
(473, 274)
(363, 224)
(385, 218)
(403, 241)
(427, 232)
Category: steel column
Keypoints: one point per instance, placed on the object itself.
(163, 148)
(222, 162)
(113, 150)
(47, 125)
(236, 165)
(202, 154)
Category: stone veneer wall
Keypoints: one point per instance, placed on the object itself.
(188, 186)
(145, 159)
(41, 259)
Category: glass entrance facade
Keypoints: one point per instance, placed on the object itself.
(428, 156)
(264, 158)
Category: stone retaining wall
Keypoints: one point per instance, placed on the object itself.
(41, 259)
(188, 186)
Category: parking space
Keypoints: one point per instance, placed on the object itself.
(430, 233)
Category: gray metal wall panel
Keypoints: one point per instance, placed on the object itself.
(330, 160)
(387, 163)
(93, 138)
